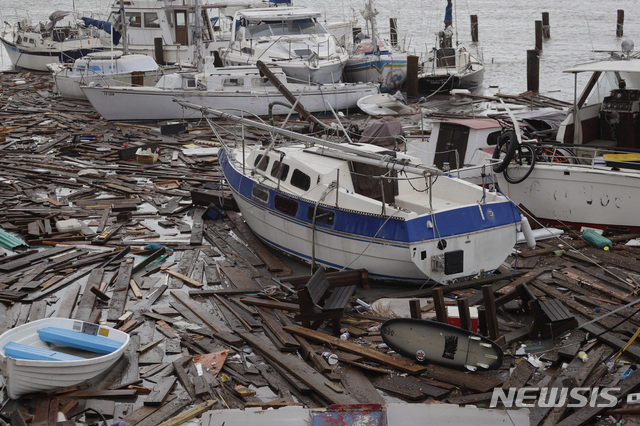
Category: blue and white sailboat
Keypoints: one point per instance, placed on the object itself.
(350, 206)
(376, 60)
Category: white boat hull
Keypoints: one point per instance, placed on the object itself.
(24, 376)
(37, 59)
(406, 258)
(126, 103)
(596, 196)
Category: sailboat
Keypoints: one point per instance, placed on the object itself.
(375, 59)
(60, 40)
(358, 205)
(449, 67)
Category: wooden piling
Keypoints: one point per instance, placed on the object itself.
(490, 311)
(157, 50)
(546, 28)
(474, 28)
(620, 23)
(482, 321)
(533, 70)
(393, 31)
(465, 316)
(438, 302)
(539, 35)
(412, 76)
(414, 308)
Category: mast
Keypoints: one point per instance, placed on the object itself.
(199, 56)
(123, 19)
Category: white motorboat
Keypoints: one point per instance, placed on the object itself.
(181, 26)
(54, 353)
(107, 68)
(289, 37)
(585, 177)
(60, 40)
(239, 90)
(375, 59)
(350, 206)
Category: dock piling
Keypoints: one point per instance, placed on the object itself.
(474, 28)
(412, 77)
(157, 50)
(546, 28)
(533, 70)
(414, 308)
(438, 302)
(539, 35)
(620, 23)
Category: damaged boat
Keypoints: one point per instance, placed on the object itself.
(356, 205)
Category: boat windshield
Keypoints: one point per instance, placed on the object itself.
(303, 26)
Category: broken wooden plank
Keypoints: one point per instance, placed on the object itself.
(399, 363)
(297, 368)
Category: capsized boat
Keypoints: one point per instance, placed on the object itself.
(106, 68)
(240, 89)
(54, 353)
(60, 40)
(290, 37)
(350, 206)
(375, 59)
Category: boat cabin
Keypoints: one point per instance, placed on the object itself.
(276, 22)
(608, 109)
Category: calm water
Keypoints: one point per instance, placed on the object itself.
(506, 31)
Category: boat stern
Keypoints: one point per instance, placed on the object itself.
(466, 243)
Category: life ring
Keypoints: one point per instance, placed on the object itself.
(509, 142)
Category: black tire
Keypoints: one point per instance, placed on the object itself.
(507, 143)
(525, 155)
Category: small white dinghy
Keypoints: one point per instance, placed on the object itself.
(384, 104)
(54, 353)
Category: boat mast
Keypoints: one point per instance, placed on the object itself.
(334, 149)
(123, 19)
(369, 14)
(198, 37)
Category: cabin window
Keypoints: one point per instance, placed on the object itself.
(233, 82)
(151, 20)
(260, 193)
(285, 205)
(134, 19)
(261, 162)
(492, 138)
(322, 215)
(300, 180)
(191, 83)
(280, 170)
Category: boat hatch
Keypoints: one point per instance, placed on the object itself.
(451, 146)
(368, 181)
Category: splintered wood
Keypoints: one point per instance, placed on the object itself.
(91, 234)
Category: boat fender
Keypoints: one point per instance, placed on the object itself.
(509, 141)
(528, 233)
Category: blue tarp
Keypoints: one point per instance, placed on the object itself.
(103, 25)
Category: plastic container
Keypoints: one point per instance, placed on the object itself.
(70, 225)
(597, 240)
(332, 359)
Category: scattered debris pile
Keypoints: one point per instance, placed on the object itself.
(154, 248)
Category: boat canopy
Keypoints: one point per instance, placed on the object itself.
(103, 25)
(632, 65)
